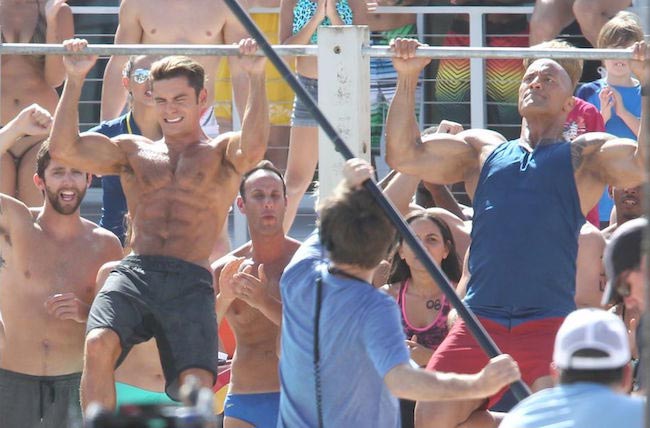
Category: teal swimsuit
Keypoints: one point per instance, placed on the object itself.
(305, 9)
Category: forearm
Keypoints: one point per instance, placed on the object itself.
(65, 128)
(54, 71)
(400, 191)
(630, 120)
(642, 139)
(303, 37)
(255, 125)
(443, 198)
(240, 86)
(8, 136)
(113, 93)
(400, 141)
(221, 307)
(421, 385)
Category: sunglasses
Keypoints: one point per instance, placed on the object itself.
(140, 75)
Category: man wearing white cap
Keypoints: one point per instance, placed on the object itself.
(591, 366)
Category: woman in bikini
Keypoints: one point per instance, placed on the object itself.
(26, 80)
(299, 22)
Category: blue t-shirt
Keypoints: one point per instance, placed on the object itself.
(527, 218)
(114, 203)
(361, 340)
(632, 101)
(579, 405)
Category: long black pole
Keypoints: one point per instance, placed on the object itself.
(519, 388)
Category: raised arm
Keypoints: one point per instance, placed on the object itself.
(60, 27)
(13, 215)
(91, 152)
(619, 161)
(247, 147)
(442, 159)
(233, 32)
(129, 31)
(33, 120)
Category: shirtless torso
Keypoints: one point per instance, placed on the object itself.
(254, 366)
(25, 80)
(34, 269)
(174, 22)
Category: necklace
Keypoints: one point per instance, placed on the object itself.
(337, 271)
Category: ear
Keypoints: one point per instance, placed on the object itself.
(89, 180)
(610, 191)
(203, 97)
(446, 254)
(39, 182)
(126, 82)
(241, 205)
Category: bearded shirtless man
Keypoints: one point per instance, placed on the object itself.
(249, 298)
(178, 194)
(49, 257)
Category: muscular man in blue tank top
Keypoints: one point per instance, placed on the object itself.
(530, 196)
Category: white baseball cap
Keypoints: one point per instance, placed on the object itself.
(591, 329)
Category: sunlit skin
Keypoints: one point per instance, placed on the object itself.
(247, 282)
(50, 256)
(545, 90)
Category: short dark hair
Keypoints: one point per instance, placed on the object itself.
(43, 159)
(603, 377)
(264, 165)
(451, 265)
(179, 66)
(354, 229)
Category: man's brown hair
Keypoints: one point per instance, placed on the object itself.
(43, 159)
(353, 229)
(179, 66)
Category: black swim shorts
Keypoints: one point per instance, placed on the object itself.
(166, 298)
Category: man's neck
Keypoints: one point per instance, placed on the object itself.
(147, 120)
(59, 225)
(542, 132)
(355, 271)
(267, 248)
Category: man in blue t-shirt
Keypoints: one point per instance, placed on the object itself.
(591, 361)
(530, 197)
(356, 337)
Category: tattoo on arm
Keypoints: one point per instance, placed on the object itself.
(3, 263)
(578, 148)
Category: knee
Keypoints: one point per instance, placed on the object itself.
(586, 11)
(435, 415)
(103, 344)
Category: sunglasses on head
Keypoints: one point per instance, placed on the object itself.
(140, 75)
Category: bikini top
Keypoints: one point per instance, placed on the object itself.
(305, 9)
(432, 335)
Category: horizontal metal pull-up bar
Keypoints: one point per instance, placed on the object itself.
(312, 50)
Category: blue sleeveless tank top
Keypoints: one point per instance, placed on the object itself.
(527, 219)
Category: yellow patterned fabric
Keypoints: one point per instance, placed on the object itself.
(279, 94)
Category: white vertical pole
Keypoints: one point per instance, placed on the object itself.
(477, 71)
(344, 98)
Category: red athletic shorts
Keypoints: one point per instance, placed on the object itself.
(530, 344)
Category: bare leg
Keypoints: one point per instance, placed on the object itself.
(445, 414)
(303, 158)
(230, 422)
(27, 190)
(548, 19)
(7, 175)
(593, 14)
(98, 378)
